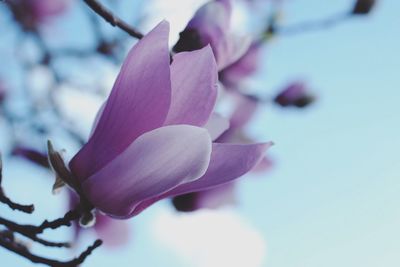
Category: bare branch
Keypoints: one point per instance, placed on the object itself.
(13, 205)
(115, 21)
(10, 244)
(312, 25)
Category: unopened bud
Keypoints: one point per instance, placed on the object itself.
(295, 95)
(363, 7)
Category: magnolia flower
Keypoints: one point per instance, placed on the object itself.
(150, 139)
(295, 94)
(211, 25)
(31, 13)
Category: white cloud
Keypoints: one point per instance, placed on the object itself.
(210, 238)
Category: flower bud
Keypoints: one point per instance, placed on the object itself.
(296, 95)
(363, 7)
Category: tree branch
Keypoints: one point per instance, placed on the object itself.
(312, 25)
(15, 206)
(8, 242)
(4, 199)
(115, 21)
(30, 232)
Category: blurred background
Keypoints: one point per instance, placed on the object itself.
(331, 194)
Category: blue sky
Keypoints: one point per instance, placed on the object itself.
(332, 199)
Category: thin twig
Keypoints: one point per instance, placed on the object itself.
(6, 200)
(24, 252)
(115, 21)
(13, 205)
(30, 232)
(313, 25)
(64, 221)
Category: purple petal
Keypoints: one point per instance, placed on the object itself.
(47, 8)
(194, 87)
(139, 102)
(155, 163)
(245, 66)
(97, 118)
(211, 25)
(264, 165)
(229, 49)
(246, 107)
(228, 162)
(211, 19)
(216, 125)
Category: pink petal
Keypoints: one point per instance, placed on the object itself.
(246, 107)
(216, 125)
(97, 118)
(264, 165)
(228, 162)
(139, 102)
(230, 48)
(194, 87)
(244, 67)
(211, 19)
(155, 163)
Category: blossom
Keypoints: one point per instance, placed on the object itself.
(150, 139)
(295, 94)
(211, 25)
(31, 13)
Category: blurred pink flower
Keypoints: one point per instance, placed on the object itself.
(31, 13)
(244, 67)
(211, 25)
(150, 139)
(295, 94)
